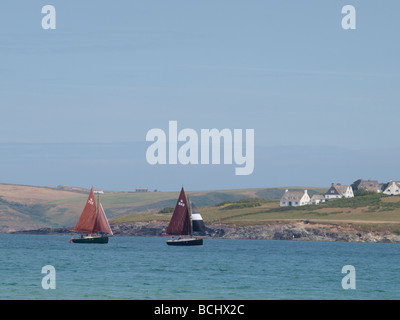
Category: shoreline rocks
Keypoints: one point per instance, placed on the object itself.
(304, 231)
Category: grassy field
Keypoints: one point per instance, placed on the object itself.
(30, 207)
(369, 212)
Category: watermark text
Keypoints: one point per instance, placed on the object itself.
(196, 148)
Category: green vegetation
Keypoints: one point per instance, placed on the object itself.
(26, 207)
(34, 211)
(369, 212)
(375, 202)
(355, 185)
(363, 199)
(32, 207)
(167, 210)
(240, 204)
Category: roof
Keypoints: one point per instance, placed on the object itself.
(369, 185)
(293, 195)
(339, 188)
(397, 183)
(317, 197)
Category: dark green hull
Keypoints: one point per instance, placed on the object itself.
(90, 240)
(185, 242)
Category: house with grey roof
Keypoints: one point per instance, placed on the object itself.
(370, 185)
(317, 198)
(295, 198)
(339, 191)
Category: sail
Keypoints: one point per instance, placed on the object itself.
(101, 224)
(197, 220)
(87, 219)
(180, 221)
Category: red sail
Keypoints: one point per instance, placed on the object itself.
(88, 217)
(101, 224)
(180, 221)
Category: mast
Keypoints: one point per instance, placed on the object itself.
(101, 222)
(190, 216)
(98, 206)
(104, 221)
(97, 210)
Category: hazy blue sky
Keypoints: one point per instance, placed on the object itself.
(76, 102)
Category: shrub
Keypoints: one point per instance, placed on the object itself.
(242, 203)
(166, 210)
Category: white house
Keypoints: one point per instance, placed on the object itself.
(317, 199)
(393, 188)
(295, 198)
(339, 191)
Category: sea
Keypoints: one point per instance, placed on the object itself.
(49, 267)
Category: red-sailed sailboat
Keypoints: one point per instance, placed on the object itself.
(183, 223)
(93, 222)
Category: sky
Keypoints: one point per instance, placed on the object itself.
(77, 102)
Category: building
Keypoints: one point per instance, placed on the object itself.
(68, 188)
(317, 199)
(370, 185)
(142, 189)
(295, 198)
(339, 191)
(393, 188)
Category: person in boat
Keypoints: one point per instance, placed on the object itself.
(179, 238)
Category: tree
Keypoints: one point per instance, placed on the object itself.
(384, 186)
(355, 184)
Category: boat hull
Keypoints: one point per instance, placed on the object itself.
(185, 242)
(90, 240)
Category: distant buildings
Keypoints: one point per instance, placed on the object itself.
(302, 198)
(317, 199)
(295, 198)
(339, 191)
(370, 185)
(142, 190)
(68, 188)
(393, 188)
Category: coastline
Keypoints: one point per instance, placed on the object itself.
(301, 230)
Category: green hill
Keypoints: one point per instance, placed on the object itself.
(370, 212)
(30, 207)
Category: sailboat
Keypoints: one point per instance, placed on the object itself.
(185, 220)
(93, 222)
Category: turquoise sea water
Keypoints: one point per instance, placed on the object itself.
(146, 268)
